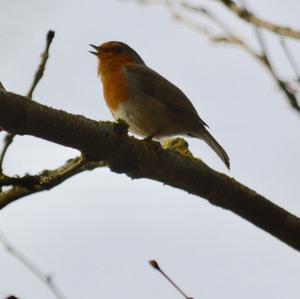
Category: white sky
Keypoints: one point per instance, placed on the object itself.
(97, 231)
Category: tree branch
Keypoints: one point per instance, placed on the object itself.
(109, 142)
(48, 179)
(254, 20)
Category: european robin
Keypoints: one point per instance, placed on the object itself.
(151, 105)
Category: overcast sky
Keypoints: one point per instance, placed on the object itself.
(96, 231)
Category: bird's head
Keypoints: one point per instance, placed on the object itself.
(113, 51)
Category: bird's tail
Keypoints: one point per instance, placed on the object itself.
(214, 145)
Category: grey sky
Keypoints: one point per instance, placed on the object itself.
(97, 231)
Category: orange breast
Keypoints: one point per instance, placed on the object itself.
(115, 89)
(115, 82)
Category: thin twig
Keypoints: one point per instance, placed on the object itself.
(249, 17)
(8, 139)
(290, 94)
(25, 261)
(290, 58)
(48, 179)
(229, 37)
(156, 266)
(41, 68)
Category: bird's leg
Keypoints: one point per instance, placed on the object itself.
(150, 137)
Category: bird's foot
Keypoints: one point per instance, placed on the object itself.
(150, 137)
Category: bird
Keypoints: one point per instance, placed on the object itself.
(151, 105)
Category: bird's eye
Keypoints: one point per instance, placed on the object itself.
(119, 49)
(104, 50)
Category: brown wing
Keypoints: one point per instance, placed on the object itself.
(155, 85)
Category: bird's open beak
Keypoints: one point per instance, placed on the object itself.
(96, 48)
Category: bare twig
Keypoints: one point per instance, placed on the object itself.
(6, 143)
(263, 58)
(48, 179)
(156, 266)
(290, 58)
(290, 94)
(8, 139)
(41, 68)
(249, 17)
(25, 261)
(229, 37)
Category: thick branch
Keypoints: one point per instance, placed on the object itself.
(252, 19)
(141, 159)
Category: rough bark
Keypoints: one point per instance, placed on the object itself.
(109, 142)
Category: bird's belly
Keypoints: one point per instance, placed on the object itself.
(137, 119)
(146, 118)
